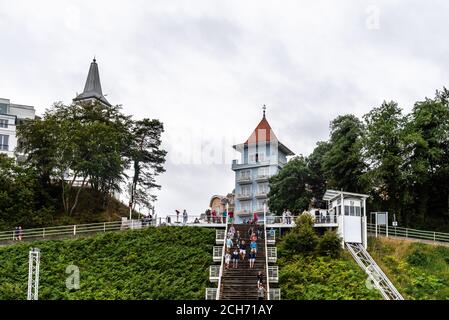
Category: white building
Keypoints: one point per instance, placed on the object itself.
(11, 116)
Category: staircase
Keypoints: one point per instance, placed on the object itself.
(367, 263)
(241, 283)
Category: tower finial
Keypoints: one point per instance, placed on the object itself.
(264, 108)
(95, 58)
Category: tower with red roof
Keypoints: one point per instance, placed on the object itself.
(262, 156)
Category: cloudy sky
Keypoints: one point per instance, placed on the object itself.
(205, 68)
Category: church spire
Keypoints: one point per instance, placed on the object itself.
(92, 88)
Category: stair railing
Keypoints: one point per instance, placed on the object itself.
(266, 253)
(220, 275)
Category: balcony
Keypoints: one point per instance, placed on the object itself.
(244, 196)
(262, 177)
(259, 210)
(261, 194)
(244, 179)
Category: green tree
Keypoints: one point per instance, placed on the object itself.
(343, 164)
(78, 145)
(330, 244)
(147, 160)
(384, 155)
(427, 160)
(318, 179)
(289, 188)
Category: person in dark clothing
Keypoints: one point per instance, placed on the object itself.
(260, 277)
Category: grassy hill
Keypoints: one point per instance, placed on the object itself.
(155, 263)
(419, 271)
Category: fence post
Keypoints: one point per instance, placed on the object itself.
(74, 230)
(406, 233)
(43, 233)
(104, 227)
(434, 237)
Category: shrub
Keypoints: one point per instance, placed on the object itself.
(418, 258)
(330, 244)
(301, 240)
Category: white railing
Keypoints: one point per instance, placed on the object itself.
(266, 255)
(272, 254)
(214, 273)
(211, 293)
(219, 236)
(223, 250)
(67, 231)
(272, 220)
(70, 231)
(217, 253)
(273, 274)
(271, 237)
(244, 179)
(374, 272)
(409, 233)
(275, 294)
(179, 220)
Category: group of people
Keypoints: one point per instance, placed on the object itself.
(236, 248)
(18, 233)
(287, 216)
(185, 216)
(214, 217)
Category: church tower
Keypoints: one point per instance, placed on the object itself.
(92, 88)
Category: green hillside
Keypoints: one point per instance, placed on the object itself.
(323, 278)
(155, 263)
(419, 271)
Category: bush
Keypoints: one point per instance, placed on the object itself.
(418, 258)
(302, 239)
(330, 244)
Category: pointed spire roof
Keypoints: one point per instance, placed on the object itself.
(92, 88)
(264, 133)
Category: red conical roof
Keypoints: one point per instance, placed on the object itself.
(262, 133)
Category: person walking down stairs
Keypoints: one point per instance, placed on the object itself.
(240, 280)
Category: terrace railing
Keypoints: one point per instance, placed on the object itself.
(409, 233)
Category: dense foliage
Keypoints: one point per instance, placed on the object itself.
(74, 148)
(323, 278)
(314, 267)
(156, 263)
(402, 161)
(418, 271)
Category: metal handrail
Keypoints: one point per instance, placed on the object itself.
(409, 233)
(266, 257)
(222, 263)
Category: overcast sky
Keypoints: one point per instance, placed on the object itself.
(205, 68)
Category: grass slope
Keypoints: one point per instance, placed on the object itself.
(419, 271)
(155, 263)
(323, 278)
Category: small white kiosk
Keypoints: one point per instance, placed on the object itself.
(350, 210)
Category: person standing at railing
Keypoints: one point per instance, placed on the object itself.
(16, 234)
(214, 216)
(184, 216)
(284, 216)
(231, 216)
(288, 215)
(208, 213)
(255, 218)
(177, 215)
(224, 216)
